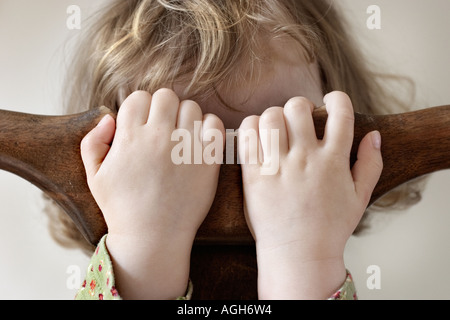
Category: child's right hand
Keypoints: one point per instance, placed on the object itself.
(152, 206)
(302, 217)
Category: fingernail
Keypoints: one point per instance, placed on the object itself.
(376, 140)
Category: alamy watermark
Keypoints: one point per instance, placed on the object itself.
(73, 21)
(374, 20)
(373, 282)
(73, 280)
(191, 151)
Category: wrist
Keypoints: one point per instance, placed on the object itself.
(285, 276)
(149, 268)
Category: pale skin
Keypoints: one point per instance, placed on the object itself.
(300, 218)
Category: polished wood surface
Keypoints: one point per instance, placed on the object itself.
(45, 150)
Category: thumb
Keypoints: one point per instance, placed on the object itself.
(96, 144)
(368, 167)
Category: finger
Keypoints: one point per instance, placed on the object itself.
(134, 110)
(249, 147)
(96, 144)
(164, 108)
(189, 112)
(213, 131)
(189, 125)
(339, 128)
(271, 124)
(368, 167)
(299, 123)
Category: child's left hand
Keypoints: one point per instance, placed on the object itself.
(302, 216)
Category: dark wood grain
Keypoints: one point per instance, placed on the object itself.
(45, 150)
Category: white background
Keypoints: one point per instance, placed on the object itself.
(411, 248)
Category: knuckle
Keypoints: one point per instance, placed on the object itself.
(271, 115)
(165, 91)
(346, 115)
(298, 102)
(190, 105)
(377, 165)
(133, 102)
(338, 96)
(168, 96)
(211, 120)
(189, 109)
(249, 122)
(340, 104)
(139, 94)
(86, 142)
(136, 97)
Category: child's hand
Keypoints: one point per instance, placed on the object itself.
(152, 206)
(302, 217)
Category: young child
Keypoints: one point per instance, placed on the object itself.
(301, 218)
(235, 59)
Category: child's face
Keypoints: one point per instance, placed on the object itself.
(286, 75)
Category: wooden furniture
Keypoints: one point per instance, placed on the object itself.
(45, 151)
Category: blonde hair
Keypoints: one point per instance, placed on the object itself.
(146, 44)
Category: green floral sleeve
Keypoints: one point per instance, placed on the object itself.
(99, 283)
(347, 291)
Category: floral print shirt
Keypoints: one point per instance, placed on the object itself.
(99, 283)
